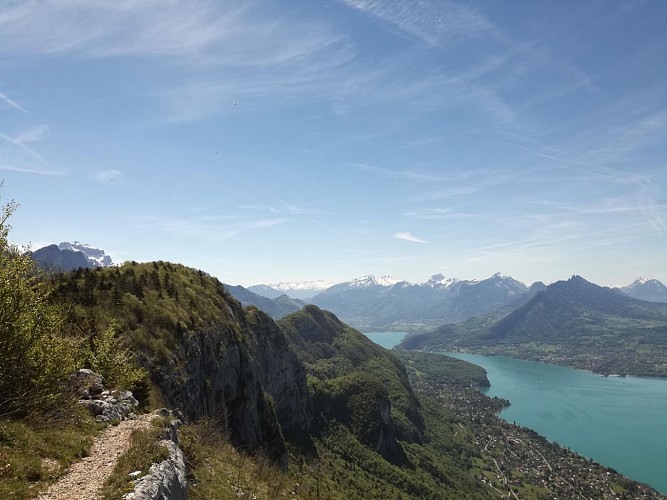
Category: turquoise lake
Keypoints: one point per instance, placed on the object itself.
(618, 422)
(386, 339)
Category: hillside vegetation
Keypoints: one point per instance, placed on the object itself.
(373, 433)
(356, 430)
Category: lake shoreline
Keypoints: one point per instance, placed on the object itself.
(390, 339)
(584, 411)
(575, 364)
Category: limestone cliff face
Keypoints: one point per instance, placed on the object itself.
(244, 374)
(282, 374)
(387, 445)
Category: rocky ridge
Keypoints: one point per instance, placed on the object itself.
(166, 480)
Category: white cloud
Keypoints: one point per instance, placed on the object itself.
(19, 142)
(109, 176)
(33, 134)
(401, 174)
(110, 27)
(409, 237)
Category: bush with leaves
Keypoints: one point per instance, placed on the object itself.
(113, 361)
(35, 357)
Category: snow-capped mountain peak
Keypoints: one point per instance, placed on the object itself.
(372, 280)
(440, 280)
(287, 286)
(500, 276)
(652, 290)
(296, 289)
(95, 256)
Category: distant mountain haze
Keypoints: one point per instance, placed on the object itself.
(303, 290)
(277, 307)
(384, 302)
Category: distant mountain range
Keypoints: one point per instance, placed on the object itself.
(571, 322)
(382, 302)
(275, 307)
(377, 303)
(373, 302)
(646, 289)
(303, 290)
(69, 256)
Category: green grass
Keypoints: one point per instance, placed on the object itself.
(33, 456)
(218, 471)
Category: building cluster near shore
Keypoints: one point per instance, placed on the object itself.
(517, 462)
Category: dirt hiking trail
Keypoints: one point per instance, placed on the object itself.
(84, 479)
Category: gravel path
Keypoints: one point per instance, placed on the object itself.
(84, 479)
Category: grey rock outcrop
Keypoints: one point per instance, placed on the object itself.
(387, 445)
(166, 480)
(102, 404)
(110, 405)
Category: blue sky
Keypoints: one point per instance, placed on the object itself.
(267, 141)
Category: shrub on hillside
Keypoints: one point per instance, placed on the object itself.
(35, 357)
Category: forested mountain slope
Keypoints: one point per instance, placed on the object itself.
(309, 383)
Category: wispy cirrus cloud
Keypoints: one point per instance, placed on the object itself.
(109, 28)
(214, 53)
(621, 141)
(21, 140)
(400, 174)
(221, 227)
(438, 213)
(18, 152)
(30, 170)
(12, 103)
(431, 22)
(18, 156)
(409, 237)
(33, 134)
